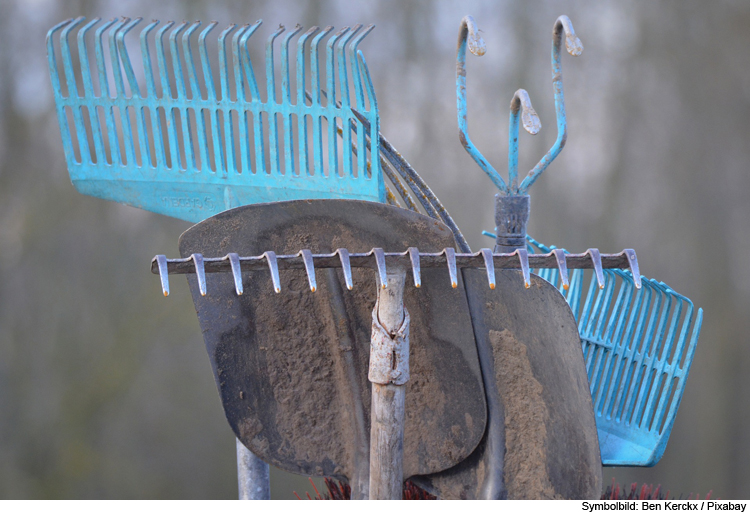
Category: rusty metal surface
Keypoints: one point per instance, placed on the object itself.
(291, 367)
(550, 446)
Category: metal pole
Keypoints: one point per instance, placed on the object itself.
(389, 371)
(253, 477)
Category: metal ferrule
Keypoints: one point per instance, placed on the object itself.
(511, 218)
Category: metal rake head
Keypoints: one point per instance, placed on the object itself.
(638, 345)
(188, 143)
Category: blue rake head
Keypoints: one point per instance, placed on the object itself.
(638, 345)
(469, 34)
(178, 143)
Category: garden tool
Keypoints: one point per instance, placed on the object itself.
(161, 169)
(541, 437)
(292, 366)
(240, 272)
(157, 167)
(638, 346)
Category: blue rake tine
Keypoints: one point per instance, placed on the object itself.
(218, 148)
(345, 100)
(88, 88)
(260, 163)
(73, 93)
(156, 131)
(166, 92)
(304, 169)
(56, 88)
(273, 138)
(187, 137)
(315, 96)
(375, 171)
(145, 155)
(360, 98)
(333, 157)
(286, 101)
(121, 103)
(195, 92)
(239, 42)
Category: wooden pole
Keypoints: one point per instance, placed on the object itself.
(389, 371)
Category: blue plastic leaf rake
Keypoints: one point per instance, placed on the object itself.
(180, 142)
(638, 345)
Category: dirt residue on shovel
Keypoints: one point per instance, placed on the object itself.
(526, 415)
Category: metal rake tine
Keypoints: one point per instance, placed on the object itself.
(575, 48)
(200, 272)
(380, 263)
(307, 258)
(346, 267)
(161, 261)
(234, 261)
(450, 258)
(415, 267)
(562, 266)
(286, 99)
(633, 264)
(273, 138)
(489, 264)
(273, 266)
(358, 90)
(596, 260)
(469, 33)
(520, 104)
(523, 260)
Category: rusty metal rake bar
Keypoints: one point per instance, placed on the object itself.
(379, 260)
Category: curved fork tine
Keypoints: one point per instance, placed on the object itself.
(575, 48)
(531, 123)
(469, 33)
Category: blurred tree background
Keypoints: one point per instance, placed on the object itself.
(105, 387)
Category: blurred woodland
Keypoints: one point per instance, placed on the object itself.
(105, 386)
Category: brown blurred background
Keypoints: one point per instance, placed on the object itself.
(105, 387)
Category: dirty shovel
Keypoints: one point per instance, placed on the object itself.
(291, 367)
(541, 440)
